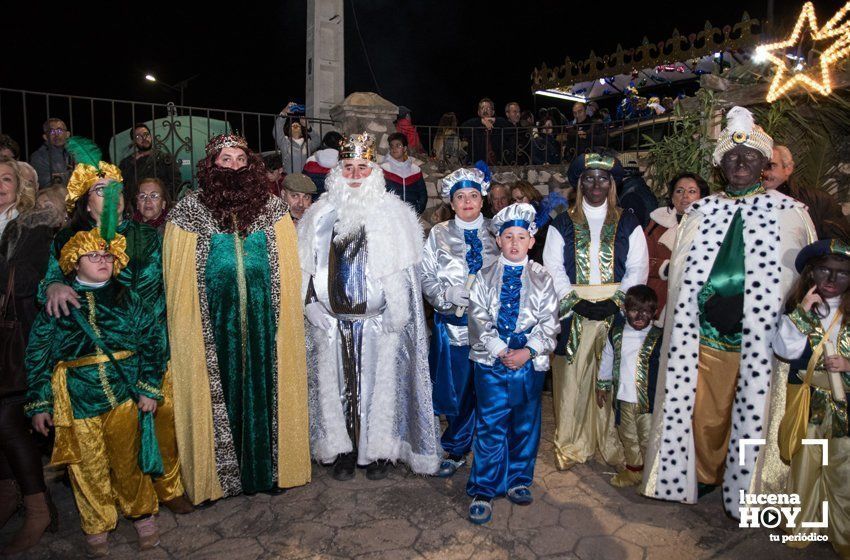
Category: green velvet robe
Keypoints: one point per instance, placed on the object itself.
(142, 275)
(124, 323)
(238, 283)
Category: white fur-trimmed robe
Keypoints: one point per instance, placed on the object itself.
(400, 422)
(776, 227)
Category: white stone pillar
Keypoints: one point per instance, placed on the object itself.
(325, 56)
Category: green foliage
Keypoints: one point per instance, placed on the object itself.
(815, 129)
(687, 147)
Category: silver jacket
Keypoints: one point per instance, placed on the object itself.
(538, 310)
(444, 264)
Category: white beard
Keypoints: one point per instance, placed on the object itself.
(354, 206)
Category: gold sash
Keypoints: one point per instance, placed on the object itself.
(66, 448)
(596, 292)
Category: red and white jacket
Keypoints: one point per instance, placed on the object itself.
(402, 174)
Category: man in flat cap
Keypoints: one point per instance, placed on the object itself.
(298, 192)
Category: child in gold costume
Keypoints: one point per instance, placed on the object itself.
(96, 376)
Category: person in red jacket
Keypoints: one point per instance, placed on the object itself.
(661, 231)
(320, 163)
(403, 177)
(404, 125)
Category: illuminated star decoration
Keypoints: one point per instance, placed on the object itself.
(776, 53)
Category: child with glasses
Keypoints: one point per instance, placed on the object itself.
(630, 365)
(95, 376)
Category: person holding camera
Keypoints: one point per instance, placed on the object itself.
(294, 137)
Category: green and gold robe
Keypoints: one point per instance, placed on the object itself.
(238, 356)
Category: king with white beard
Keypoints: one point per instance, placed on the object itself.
(367, 344)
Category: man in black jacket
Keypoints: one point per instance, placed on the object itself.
(484, 134)
(146, 162)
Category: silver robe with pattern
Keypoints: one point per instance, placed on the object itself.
(396, 414)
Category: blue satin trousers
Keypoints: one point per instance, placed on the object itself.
(453, 388)
(507, 438)
(457, 438)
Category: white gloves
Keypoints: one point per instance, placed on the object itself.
(315, 313)
(458, 295)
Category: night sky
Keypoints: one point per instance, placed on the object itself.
(433, 56)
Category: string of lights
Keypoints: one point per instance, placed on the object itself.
(817, 76)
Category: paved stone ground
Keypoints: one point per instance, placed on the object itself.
(576, 514)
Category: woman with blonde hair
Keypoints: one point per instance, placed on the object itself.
(24, 251)
(448, 147)
(16, 193)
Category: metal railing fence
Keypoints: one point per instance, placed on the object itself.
(181, 132)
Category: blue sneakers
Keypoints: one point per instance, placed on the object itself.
(520, 495)
(480, 511)
(449, 466)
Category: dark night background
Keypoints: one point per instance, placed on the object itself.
(433, 56)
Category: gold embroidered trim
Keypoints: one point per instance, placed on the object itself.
(101, 368)
(243, 298)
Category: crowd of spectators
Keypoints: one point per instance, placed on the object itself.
(33, 209)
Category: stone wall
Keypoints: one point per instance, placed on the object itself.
(543, 177)
(367, 112)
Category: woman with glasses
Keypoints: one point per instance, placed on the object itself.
(94, 197)
(152, 204)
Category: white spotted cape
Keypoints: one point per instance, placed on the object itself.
(776, 227)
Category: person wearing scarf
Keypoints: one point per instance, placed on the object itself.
(152, 204)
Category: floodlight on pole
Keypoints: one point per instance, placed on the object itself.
(178, 87)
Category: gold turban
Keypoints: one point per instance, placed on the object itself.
(85, 242)
(85, 176)
(741, 130)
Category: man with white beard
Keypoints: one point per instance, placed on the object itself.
(367, 344)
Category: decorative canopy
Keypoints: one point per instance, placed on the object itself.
(678, 58)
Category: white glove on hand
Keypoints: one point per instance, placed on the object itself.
(458, 295)
(315, 313)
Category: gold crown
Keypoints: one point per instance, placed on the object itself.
(217, 143)
(358, 146)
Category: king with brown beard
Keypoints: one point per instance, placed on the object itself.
(235, 324)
